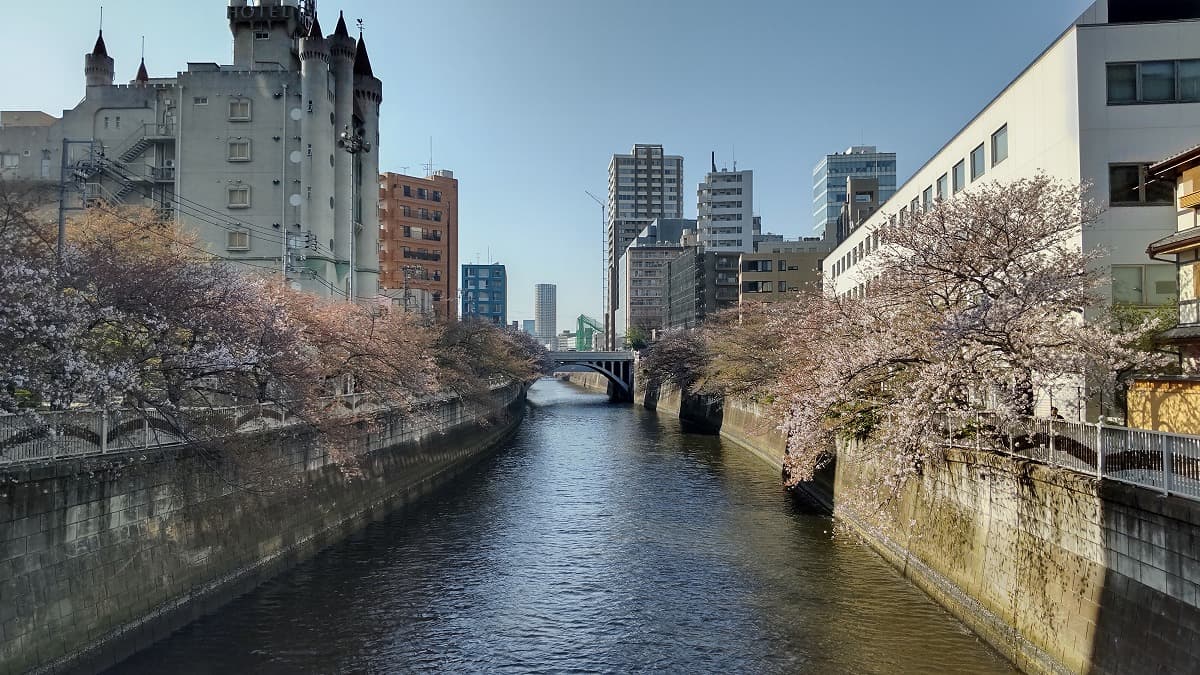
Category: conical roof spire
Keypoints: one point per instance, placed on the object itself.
(362, 63)
(142, 75)
(314, 31)
(100, 49)
(340, 29)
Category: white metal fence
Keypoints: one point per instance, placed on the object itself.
(50, 435)
(1165, 462)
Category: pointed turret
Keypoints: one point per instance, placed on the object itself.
(340, 29)
(314, 31)
(98, 66)
(99, 49)
(142, 76)
(362, 62)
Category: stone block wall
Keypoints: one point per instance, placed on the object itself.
(1058, 571)
(102, 556)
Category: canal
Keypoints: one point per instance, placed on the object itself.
(601, 538)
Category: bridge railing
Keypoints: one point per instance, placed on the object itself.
(1157, 460)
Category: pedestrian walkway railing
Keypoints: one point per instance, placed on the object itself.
(1164, 462)
(63, 434)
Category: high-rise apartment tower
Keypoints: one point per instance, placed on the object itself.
(545, 312)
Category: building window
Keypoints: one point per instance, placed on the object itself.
(424, 214)
(915, 205)
(942, 185)
(422, 193)
(199, 100)
(239, 197)
(977, 163)
(960, 176)
(1129, 185)
(782, 286)
(238, 241)
(239, 150)
(437, 195)
(927, 197)
(1000, 145)
(407, 191)
(262, 35)
(1146, 285)
(1154, 82)
(239, 109)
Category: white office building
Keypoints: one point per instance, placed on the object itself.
(1117, 91)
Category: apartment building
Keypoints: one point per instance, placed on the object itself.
(778, 271)
(700, 283)
(260, 158)
(418, 236)
(643, 185)
(485, 293)
(545, 313)
(725, 211)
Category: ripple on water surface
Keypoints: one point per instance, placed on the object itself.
(599, 539)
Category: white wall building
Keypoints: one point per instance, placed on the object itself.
(246, 155)
(725, 211)
(1098, 106)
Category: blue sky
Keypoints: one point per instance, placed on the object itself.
(526, 100)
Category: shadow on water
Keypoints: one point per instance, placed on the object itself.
(601, 538)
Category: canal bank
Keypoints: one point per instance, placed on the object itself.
(103, 556)
(598, 538)
(1058, 571)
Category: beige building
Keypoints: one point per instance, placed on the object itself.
(780, 270)
(254, 156)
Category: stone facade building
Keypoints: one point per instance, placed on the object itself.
(270, 160)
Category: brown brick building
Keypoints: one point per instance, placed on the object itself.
(418, 237)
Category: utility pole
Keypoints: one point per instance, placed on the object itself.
(604, 299)
(352, 141)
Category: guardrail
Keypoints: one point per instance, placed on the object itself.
(63, 434)
(1164, 462)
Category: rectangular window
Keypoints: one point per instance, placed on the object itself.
(977, 163)
(960, 176)
(782, 286)
(424, 214)
(1122, 83)
(239, 109)
(1000, 145)
(1129, 185)
(437, 195)
(262, 35)
(916, 205)
(422, 193)
(942, 185)
(239, 197)
(927, 197)
(1145, 285)
(238, 241)
(1153, 82)
(782, 265)
(199, 100)
(407, 191)
(1157, 79)
(239, 150)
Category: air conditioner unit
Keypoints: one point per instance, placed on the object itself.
(169, 163)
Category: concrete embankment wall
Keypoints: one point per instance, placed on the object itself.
(1058, 571)
(101, 557)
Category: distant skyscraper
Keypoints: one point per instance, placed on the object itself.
(529, 326)
(725, 210)
(829, 182)
(485, 293)
(545, 312)
(643, 185)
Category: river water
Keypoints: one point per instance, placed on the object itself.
(601, 538)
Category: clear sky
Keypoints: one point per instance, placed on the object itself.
(526, 100)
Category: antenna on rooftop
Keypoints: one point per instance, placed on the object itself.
(429, 166)
(143, 47)
(101, 17)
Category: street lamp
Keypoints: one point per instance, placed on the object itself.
(604, 299)
(352, 141)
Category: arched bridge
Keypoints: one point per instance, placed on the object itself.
(616, 366)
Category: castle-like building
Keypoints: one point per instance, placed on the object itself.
(272, 161)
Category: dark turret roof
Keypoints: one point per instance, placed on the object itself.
(100, 49)
(142, 75)
(340, 29)
(362, 63)
(314, 31)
